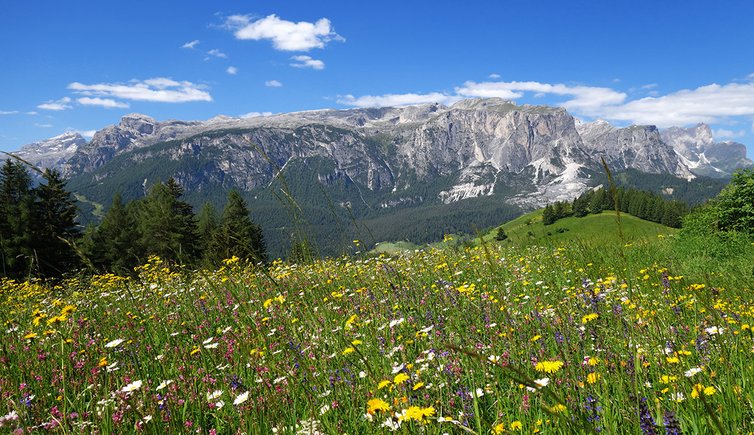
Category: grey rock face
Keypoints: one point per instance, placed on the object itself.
(473, 148)
(703, 155)
(637, 146)
(52, 153)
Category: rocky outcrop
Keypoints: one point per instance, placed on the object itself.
(703, 155)
(637, 146)
(54, 152)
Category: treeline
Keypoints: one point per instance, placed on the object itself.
(644, 205)
(40, 237)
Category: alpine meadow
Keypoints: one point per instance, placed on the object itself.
(365, 218)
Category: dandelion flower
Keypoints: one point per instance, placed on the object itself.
(549, 366)
(374, 405)
(516, 425)
(400, 378)
(383, 384)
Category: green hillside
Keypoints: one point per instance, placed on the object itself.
(528, 229)
(598, 228)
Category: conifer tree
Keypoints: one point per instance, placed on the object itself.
(238, 235)
(548, 215)
(113, 245)
(16, 202)
(55, 230)
(167, 225)
(207, 225)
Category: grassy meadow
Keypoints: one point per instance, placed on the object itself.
(584, 333)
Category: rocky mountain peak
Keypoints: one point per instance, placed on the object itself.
(697, 148)
(137, 122)
(52, 152)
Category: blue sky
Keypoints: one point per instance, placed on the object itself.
(82, 65)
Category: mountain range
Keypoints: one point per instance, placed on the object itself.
(384, 166)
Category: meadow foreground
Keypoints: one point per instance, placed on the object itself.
(490, 339)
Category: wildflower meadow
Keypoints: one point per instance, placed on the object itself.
(575, 338)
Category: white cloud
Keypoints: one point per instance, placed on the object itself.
(8, 112)
(44, 125)
(307, 62)
(728, 134)
(160, 89)
(56, 105)
(391, 100)
(232, 70)
(285, 35)
(586, 100)
(273, 84)
(86, 133)
(31, 113)
(102, 102)
(217, 53)
(494, 76)
(256, 114)
(710, 103)
(191, 44)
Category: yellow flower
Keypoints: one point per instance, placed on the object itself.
(194, 351)
(374, 405)
(348, 350)
(589, 317)
(535, 338)
(516, 425)
(30, 335)
(383, 384)
(665, 379)
(418, 385)
(593, 377)
(549, 366)
(498, 429)
(356, 342)
(418, 414)
(672, 360)
(400, 378)
(558, 408)
(102, 362)
(68, 309)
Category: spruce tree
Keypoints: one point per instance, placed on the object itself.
(167, 225)
(55, 230)
(238, 235)
(207, 225)
(114, 242)
(16, 202)
(548, 215)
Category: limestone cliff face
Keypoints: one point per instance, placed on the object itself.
(530, 155)
(52, 152)
(637, 146)
(703, 155)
